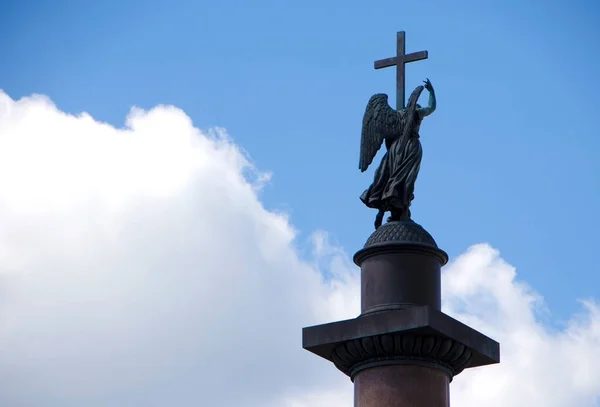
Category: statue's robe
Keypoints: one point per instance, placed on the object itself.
(394, 183)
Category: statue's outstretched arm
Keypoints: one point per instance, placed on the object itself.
(426, 111)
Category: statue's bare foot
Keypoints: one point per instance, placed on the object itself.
(399, 215)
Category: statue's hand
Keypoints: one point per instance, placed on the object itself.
(428, 85)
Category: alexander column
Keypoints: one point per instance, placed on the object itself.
(402, 350)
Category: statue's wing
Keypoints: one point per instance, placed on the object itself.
(379, 122)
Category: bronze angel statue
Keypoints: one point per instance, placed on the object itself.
(393, 187)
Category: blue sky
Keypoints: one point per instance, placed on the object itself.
(509, 156)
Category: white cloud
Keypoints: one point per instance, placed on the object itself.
(539, 366)
(139, 267)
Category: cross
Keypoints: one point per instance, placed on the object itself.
(399, 60)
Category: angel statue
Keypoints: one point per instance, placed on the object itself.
(394, 183)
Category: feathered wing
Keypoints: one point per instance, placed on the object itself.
(380, 121)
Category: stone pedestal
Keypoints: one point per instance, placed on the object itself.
(401, 351)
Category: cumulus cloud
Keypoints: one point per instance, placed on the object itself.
(138, 266)
(540, 366)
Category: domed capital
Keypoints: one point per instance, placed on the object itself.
(400, 236)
